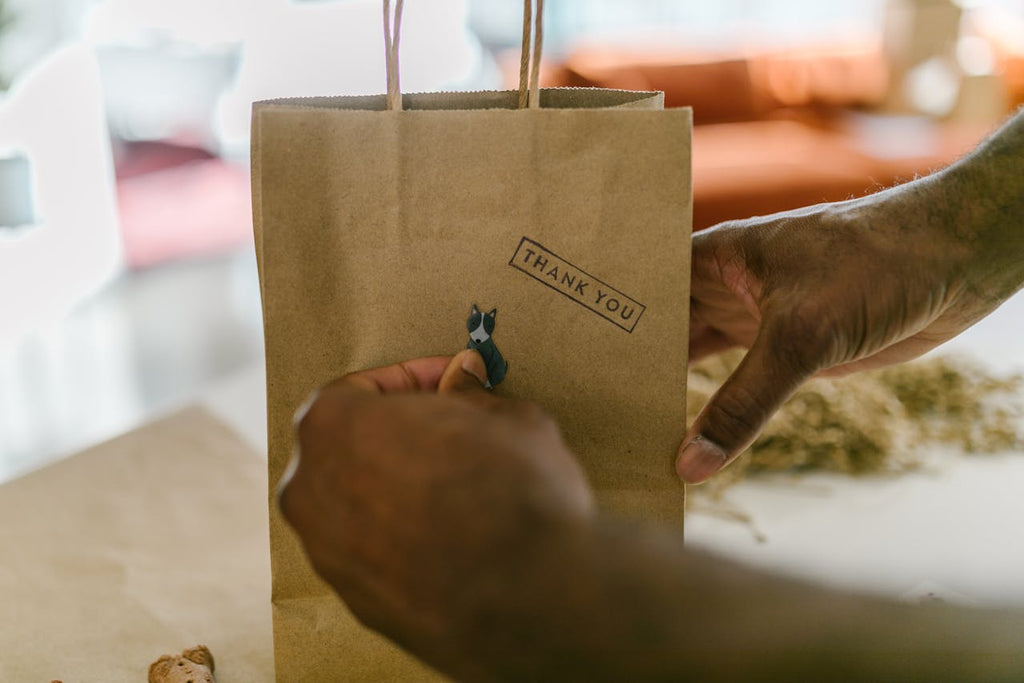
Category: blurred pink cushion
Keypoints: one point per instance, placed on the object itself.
(198, 208)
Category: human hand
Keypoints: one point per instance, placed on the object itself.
(419, 496)
(826, 290)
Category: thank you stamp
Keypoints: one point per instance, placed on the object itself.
(572, 282)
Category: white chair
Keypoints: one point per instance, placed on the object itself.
(53, 116)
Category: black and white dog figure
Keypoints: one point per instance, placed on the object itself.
(481, 327)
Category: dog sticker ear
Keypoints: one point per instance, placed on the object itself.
(493, 313)
(474, 310)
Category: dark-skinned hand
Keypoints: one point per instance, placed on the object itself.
(836, 288)
(415, 492)
(821, 291)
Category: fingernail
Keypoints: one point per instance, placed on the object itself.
(471, 365)
(699, 460)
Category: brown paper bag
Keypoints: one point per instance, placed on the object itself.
(377, 228)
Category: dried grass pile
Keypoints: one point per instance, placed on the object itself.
(875, 422)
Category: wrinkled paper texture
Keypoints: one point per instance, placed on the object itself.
(377, 230)
(143, 546)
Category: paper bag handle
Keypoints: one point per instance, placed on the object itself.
(529, 65)
(392, 37)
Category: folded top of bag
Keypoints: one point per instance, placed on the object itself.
(551, 98)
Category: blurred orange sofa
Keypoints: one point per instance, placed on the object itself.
(779, 131)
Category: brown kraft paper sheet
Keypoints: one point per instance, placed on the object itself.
(148, 544)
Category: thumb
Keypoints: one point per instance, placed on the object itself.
(466, 373)
(738, 411)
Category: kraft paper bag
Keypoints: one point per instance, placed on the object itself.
(378, 229)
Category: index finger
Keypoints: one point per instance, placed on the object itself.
(420, 374)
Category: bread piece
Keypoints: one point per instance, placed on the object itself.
(191, 666)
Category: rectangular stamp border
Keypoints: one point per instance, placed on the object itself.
(642, 308)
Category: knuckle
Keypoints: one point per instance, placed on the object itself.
(323, 408)
(309, 416)
(286, 502)
(531, 413)
(724, 226)
(318, 416)
(286, 487)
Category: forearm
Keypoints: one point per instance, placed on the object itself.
(973, 211)
(958, 232)
(987, 189)
(624, 603)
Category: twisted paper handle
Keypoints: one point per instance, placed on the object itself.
(392, 37)
(529, 65)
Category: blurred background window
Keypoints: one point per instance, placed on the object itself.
(721, 26)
